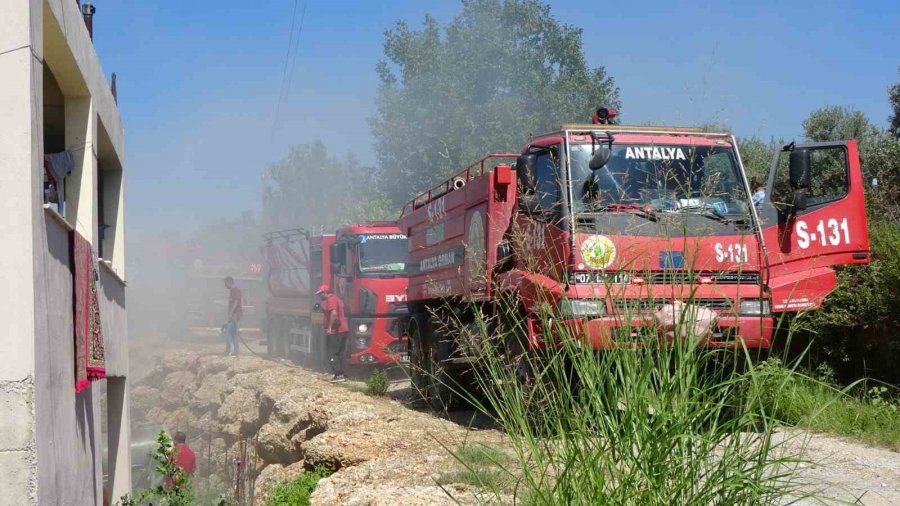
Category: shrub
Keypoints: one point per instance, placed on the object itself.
(857, 326)
(176, 490)
(297, 492)
(377, 383)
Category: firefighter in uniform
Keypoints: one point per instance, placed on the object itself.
(336, 328)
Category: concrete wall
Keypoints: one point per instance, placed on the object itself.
(50, 437)
(68, 438)
(20, 151)
(115, 325)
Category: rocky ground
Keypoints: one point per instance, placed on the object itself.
(382, 451)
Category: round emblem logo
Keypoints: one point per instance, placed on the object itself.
(598, 251)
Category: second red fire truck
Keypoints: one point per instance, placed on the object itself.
(364, 264)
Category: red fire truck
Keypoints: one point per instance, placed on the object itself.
(364, 265)
(604, 223)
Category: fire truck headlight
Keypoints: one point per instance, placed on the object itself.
(755, 307)
(582, 308)
(363, 328)
(362, 343)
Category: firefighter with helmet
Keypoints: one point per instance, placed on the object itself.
(335, 328)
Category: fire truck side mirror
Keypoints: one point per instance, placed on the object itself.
(800, 177)
(338, 255)
(599, 158)
(525, 172)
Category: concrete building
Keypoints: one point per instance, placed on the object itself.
(54, 98)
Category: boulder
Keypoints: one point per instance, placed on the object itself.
(248, 380)
(180, 420)
(274, 446)
(176, 388)
(337, 450)
(409, 479)
(144, 398)
(208, 396)
(240, 413)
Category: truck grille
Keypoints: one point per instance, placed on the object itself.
(644, 305)
(398, 308)
(719, 278)
(664, 277)
(396, 347)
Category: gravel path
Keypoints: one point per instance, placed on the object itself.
(847, 471)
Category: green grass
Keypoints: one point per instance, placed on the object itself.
(477, 454)
(297, 492)
(481, 466)
(486, 479)
(817, 404)
(354, 387)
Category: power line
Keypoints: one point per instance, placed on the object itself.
(287, 56)
(296, 49)
(291, 56)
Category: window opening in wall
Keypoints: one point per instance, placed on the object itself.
(101, 212)
(56, 167)
(58, 162)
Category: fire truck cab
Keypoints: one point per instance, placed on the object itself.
(368, 272)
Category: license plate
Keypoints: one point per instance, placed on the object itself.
(404, 357)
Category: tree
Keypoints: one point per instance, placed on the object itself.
(499, 71)
(881, 160)
(313, 189)
(837, 123)
(894, 97)
(756, 156)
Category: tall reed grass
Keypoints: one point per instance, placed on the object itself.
(642, 423)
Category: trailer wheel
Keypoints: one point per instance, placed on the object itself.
(281, 342)
(273, 328)
(270, 322)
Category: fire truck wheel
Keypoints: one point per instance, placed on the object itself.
(419, 368)
(518, 359)
(444, 383)
(525, 364)
(272, 325)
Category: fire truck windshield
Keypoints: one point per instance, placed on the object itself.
(661, 179)
(382, 254)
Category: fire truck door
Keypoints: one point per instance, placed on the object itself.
(813, 217)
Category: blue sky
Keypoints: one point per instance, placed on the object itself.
(199, 81)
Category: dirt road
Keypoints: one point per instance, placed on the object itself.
(383, 451)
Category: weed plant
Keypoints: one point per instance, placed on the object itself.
(175, 490)
(297, 492)
(377, 383)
